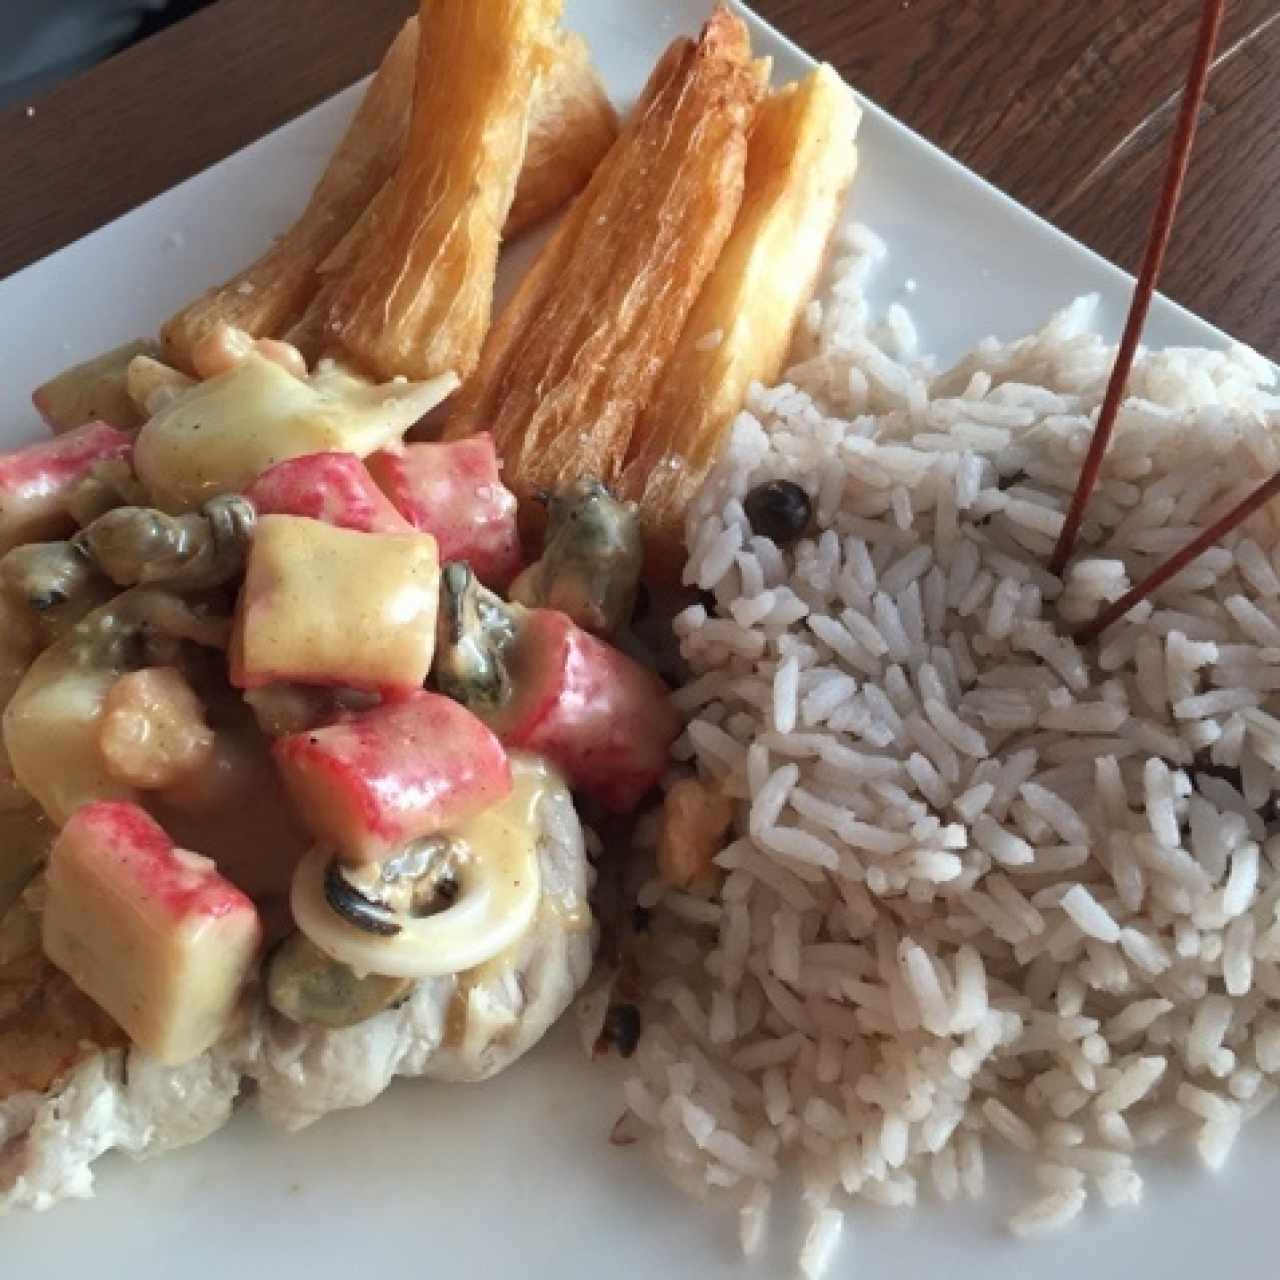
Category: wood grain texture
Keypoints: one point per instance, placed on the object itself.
(173, 105)
(1066, 105)
(1069, 106)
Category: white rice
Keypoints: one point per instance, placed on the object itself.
(982, 880)
(753, 1218)
(1132, 1085)
(1090, 916)
(820, 1244)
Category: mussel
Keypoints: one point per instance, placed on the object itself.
(109, 484)
(591, 559)
(132, 546)
(48, 575)
(475, 629)
(378, 897)
(309, 987)
(141, 546)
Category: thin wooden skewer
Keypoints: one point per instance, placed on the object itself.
(1157, 243)
(1263, 494)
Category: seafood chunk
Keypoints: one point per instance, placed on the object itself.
(36, 482)
(137, 546)
(51, 723)
(313, 989)
(370, 782)
(151, 932)
(591, 560)
(455, 493)
(334, 487)
(153, 734)
(543, 684)
(221, 435)
(329, 606)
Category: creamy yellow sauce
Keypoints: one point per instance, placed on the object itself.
(501, 889)
(222, 434)
(235, 811)
(322, 603)
(51, 731)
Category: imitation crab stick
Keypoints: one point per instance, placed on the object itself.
(543, 684)
(333, 487)
(409, 768)
(36, 482)
(454, 492)
(151, 932)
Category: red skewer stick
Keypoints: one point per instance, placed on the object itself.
(1157, 243)
(1263, 494)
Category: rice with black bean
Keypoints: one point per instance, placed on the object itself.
(985, 886)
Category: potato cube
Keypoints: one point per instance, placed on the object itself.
(695, 817)
(330, 606)
(95, 391)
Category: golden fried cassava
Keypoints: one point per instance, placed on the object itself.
(267, 294)
(416, 299)
(571, 126)
(800, 163)
(573, 360)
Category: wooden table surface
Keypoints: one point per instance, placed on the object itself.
(1065, 104)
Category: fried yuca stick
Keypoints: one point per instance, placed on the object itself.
(416, 299)
(800, 163)
(573, 360)
(571, 125)
(268, 293)
(480, 396)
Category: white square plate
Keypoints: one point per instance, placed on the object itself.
(516, 1177)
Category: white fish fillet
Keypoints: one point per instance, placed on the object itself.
(123, 1100)
(111, 1101)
